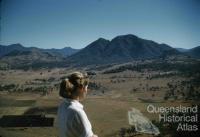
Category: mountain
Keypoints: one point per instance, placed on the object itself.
(89, 54)
(64, 52)
(20, 57)
(194, 52)
(182, 49)
(30, 59)
(7, 49)
(67, 51)
(122, 48)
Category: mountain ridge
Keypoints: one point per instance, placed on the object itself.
(121, 49)
(66, 51)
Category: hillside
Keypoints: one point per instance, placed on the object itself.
(7, 49)
(67, 51)
(17, 56)
(194, 52)
(30, 59)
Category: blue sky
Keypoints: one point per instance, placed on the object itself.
(76, 23)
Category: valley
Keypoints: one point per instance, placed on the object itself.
(113, 91)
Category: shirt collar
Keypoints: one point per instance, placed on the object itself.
(74, 102)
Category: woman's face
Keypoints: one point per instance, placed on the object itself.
(83, 92)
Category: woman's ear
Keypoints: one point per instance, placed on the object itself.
(82, 89)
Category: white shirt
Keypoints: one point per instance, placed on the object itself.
(72, 120)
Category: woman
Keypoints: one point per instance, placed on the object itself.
(72, 119)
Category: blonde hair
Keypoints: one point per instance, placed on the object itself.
(70, 85)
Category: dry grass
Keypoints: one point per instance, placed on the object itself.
(107, 113)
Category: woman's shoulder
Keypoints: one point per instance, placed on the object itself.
(76, 110)
(72, 107)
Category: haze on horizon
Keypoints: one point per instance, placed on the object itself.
(77, 23)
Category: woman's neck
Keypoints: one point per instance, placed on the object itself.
(76, 98)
